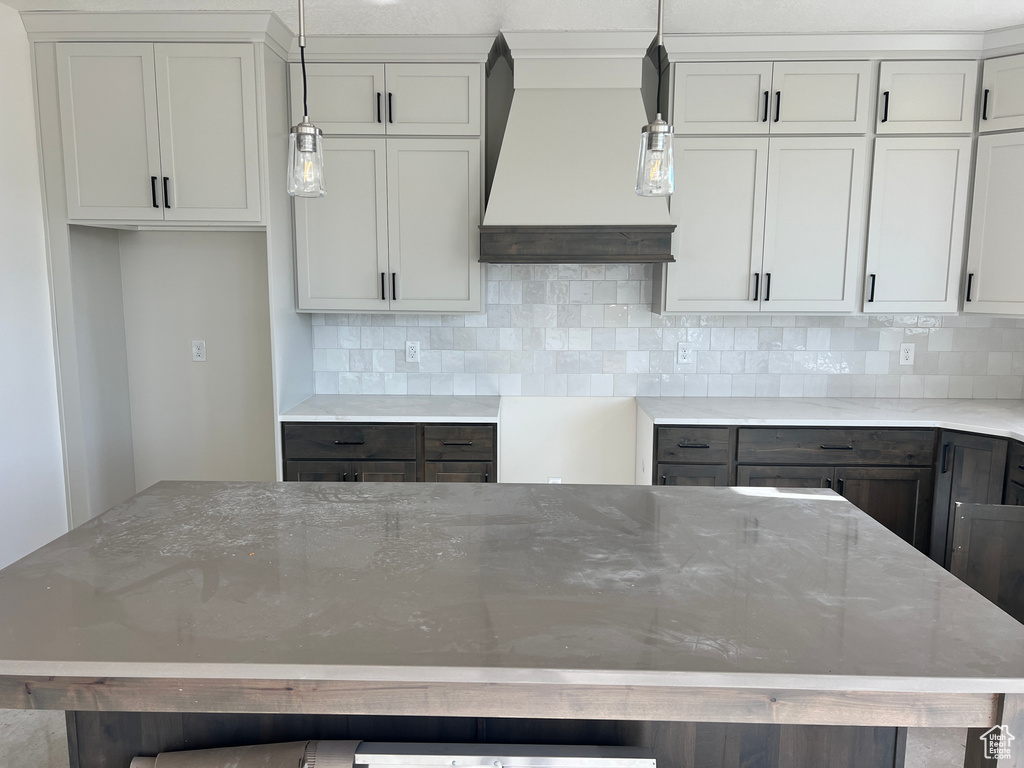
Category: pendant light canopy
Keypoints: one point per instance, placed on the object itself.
(654, 175)
(305, 144)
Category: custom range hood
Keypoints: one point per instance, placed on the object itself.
(563, 189)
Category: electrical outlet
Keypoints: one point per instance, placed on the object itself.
(684, 353)
(906, 354)
(198, 351)
(412, 351)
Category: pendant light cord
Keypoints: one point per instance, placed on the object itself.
(305, 107)
(661, 32)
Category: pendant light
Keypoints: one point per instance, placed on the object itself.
(654, 171)
(305, 143)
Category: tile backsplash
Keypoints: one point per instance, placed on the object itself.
(582, 330)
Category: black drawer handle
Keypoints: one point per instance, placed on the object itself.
(356, 477)
(871, 298)
(1020, 466)
(767, 286)
(344, 477)
(664, 479)
(167, 194)
(378, 107)
(826, 447)
(945, 454)
(694, 445)
(765, 118)
(841, 482)
(757, 284)
(885, 109)
(153, 186)
(970, 280)
(487, 477)
(349, 442)
(456, 442)
(984, 106)
(828, 482)
(1017, 483)
(391, 110)
(778, 105)
(383, 290)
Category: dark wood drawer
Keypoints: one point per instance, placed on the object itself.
(349, 441)
(351, 471)
(459, 472)
(836, 446)
(693, 445)
(693, 474)
(458, 442)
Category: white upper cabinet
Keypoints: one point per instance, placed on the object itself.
(343, 98)
(820, 97)
(926, 96)
(1002, 96)
(392, 99)
(109, 130)
(917, 220)
(342, 239)
(159, 132)
(995, 261)
(722, 97)
(813, 221)
(718, 210)
(206, 95)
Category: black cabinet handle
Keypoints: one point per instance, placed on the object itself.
(152, 183)
(757, 283)
(827, 447)
(383, 289)
(828, 482)
(664, 479)
(391, 109)
(694, 445)
(355, 477)
(349, 442)
(842, 482)
(871, 296)
(765, 118)
(1017, 483)
(885, 108)
(344, 477)
(487, 477)
(167, 195)
(984, 106)
(945, 454)
(456, 442)
(970, 279)
(1020, 466)
(378, 107)
(394, 286)
(767, 286)
(778, 105)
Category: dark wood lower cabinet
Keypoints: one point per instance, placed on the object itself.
(693, 474)
(458, 472)
(785, 477)
(900, 498)
(1014, 492)
(988, 553)
(107, 739)
(351, 471)
(971, 470)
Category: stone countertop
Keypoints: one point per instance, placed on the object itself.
(516, 584)
(1001, 418)
(396, 408)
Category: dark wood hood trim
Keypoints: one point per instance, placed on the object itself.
(576, 244)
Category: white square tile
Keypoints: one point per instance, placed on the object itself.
(578, 385)
(602, 385)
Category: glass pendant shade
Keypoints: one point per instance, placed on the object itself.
(654, 176)
(306, 161)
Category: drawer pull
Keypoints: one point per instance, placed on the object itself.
(841, 482)
(826, 447)
(694, 445)
(487, 477)
(828, 482)
(984, 105)
(1020, 466)
(349, 442)
(945, 455)
(664, 479)
(456, 442)
(355, 477)
(1017, 483)
(765, 118)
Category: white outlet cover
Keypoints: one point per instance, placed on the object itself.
(198, 351)
(684, 353)
(412, 351)
(906, 354)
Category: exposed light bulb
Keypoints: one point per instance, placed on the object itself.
(655, 176)
(306, 161)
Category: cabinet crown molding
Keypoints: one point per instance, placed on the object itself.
(394, 48)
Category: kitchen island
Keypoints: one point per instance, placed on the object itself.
(599, 603)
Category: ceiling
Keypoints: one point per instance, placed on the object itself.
(701, 16)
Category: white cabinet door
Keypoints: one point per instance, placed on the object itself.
(433, 224)
(433, 99)
(342, 98)
(209, 152)
(718, 209)
(995, 261)
(926, 96)
(813, 224)
(820, 97)
(109, 130)
(1002, 102)
(917, 219)
(341, 240)
(722, 97)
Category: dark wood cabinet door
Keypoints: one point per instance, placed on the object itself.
(458, 472)
(383, 472)
(900, 498)
(1014, 493)
(318, 471)
(988, 553)
(971, 470)
(784, 477)
(693, 474)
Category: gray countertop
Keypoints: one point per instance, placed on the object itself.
(1001, 418)
(397, 408)
(619, 585)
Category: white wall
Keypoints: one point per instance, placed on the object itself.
(198, 421)
(579, 439)
(34, 507)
